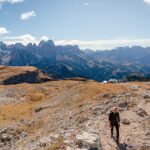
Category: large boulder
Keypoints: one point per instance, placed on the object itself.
(141, 112)
(89, 141)
(146, 95)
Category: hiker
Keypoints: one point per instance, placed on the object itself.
(114, 121)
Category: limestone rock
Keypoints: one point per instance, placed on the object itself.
(123, 104)
(141, 112)
(88, 140)
(146, 95)
(126, 122)
(105, 95)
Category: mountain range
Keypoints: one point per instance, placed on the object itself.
(70, 61)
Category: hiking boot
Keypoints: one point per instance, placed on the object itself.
(117, 140)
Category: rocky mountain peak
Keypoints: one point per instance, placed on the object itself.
(3, 46)
(19, 46)
(98, 65)
(48, 43)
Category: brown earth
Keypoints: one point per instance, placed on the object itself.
(55, 112)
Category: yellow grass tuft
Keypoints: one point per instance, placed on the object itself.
(36, 96)
(57, 145)
(53, 147)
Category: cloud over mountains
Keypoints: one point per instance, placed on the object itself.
(27, 15)
(3, 31)
(147, 1)
(11, 1)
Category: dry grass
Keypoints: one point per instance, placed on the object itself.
(53, 147)
(57, 145)
(10, 113)
(13, 112)
(6, 72)
(36, 96)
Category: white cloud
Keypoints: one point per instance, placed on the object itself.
(88, 3)
(0, 6)
(27, 15)
(11, 1)
(147, 1)
(3, 31)
(44, 38)
(106, 44)
(16, 1)
(94, 45)
(24, 39)
(91, 4)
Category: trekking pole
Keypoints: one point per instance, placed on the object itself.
(99, 142)
(106, 125)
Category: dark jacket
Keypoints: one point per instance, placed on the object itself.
(114, 117)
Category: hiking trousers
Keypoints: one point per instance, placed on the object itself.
(116, 125)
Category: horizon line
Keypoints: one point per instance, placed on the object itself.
(82, 44)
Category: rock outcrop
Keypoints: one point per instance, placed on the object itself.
(16, 75)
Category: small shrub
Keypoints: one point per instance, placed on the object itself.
(57, 145)
(54, 146)
(36, 96)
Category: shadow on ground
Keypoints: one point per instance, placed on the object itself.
(120, 146)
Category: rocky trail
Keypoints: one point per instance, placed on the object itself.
(72, 115)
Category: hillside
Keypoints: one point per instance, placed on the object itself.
(72, 114)
(16, 75)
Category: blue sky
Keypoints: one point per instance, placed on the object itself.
(95, 24)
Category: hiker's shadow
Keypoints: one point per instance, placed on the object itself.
(121, 146)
